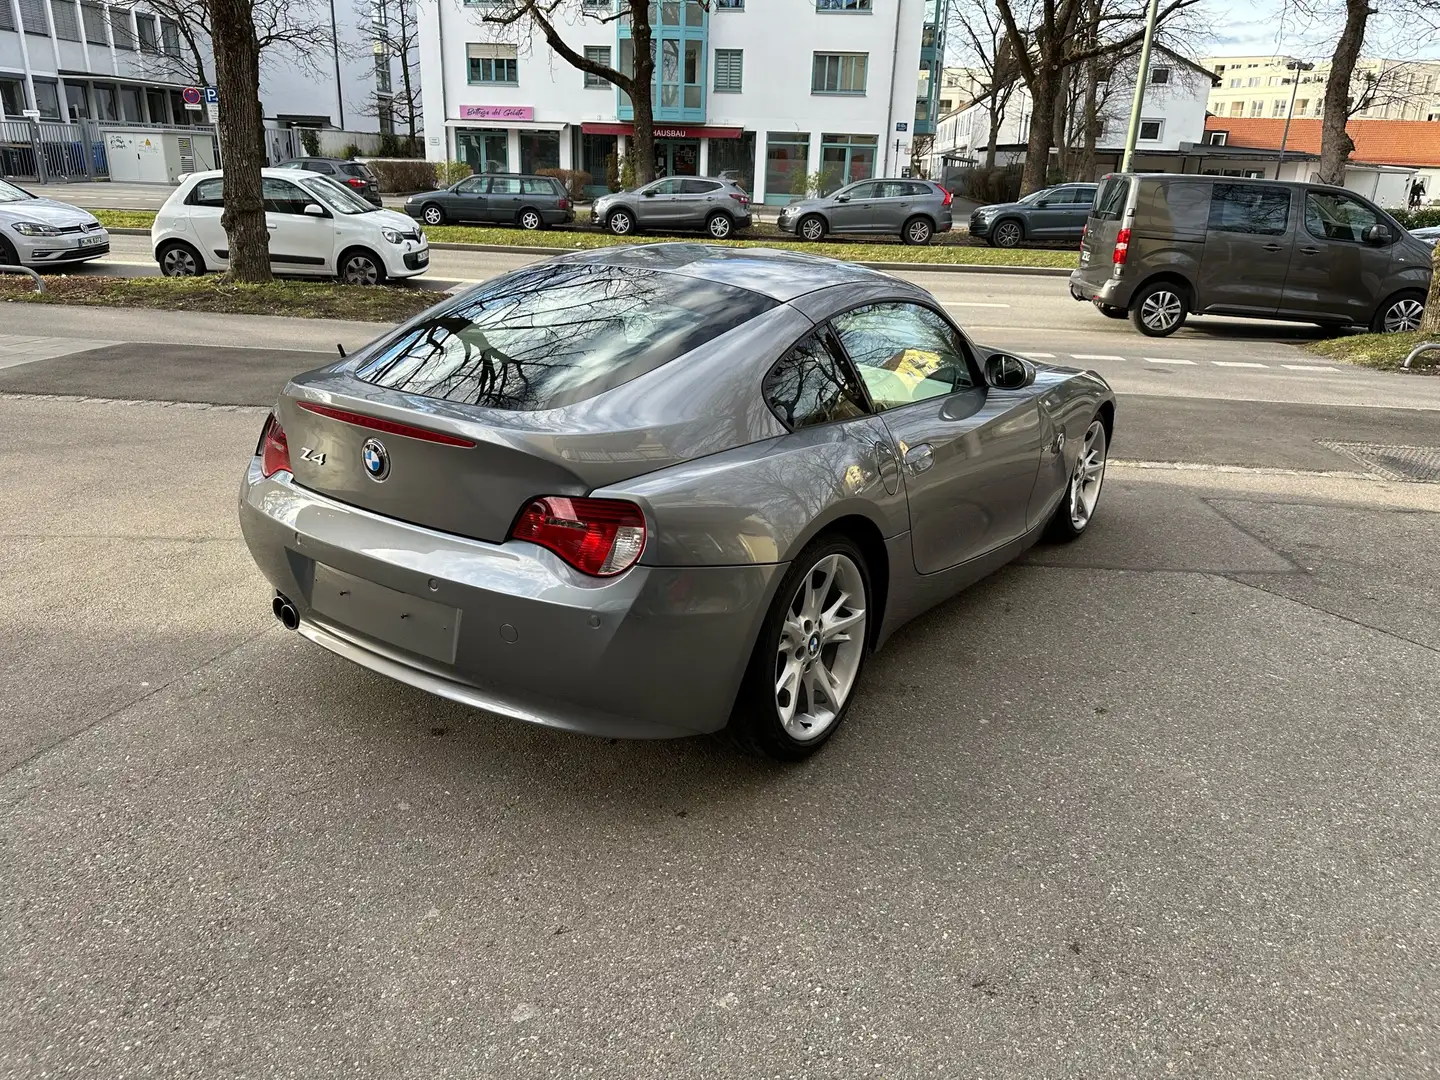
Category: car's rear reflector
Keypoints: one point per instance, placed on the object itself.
(600, 537)
(390, 427)
(274, 450)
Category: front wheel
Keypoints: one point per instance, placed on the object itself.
(530, 220)
(433, 215)
(1400, 314)
(1158, 310)
(917, 231)
(811, 650)
(719, 226)
(620, 223)
(361, 268)
(1082, 495)
(812, 228)
(1007, 234)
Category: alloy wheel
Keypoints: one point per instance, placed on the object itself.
(812, 228)
(1403, 316)
(179, 262)
(1161, 310)
(530, 220)
(434, 215)
(821, 645)
(919, 232)
(1088, 477)
(620, 223)
(720, 226)
(361, 270)
(1007, 234)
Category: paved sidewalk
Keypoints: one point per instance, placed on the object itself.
(16, 350)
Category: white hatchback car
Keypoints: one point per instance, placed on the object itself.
(317, 227)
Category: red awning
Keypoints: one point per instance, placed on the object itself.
(666, 131)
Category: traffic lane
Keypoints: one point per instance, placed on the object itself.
(1187, 817)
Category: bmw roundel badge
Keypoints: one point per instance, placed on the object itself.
(376, 460)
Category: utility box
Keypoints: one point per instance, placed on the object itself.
(145, 155)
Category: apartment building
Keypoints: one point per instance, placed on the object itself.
(1260, 87)
(772, 92)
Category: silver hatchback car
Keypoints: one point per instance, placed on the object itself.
(914, 210)
(38, 232)
(662, 490)
(676, 204)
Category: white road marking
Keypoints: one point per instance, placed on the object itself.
(1237, 363)
(1309, 367)
(1163, 360)
(1094, 356)
(1042, 355)
(972, 303)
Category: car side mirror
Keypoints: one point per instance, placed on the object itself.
(314, 209)
(1377, 234)
(842, 198)
(1006, 372)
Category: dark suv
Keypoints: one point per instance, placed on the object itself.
(532, 202)
(1056, 213)
(352, 174)
(1161, 247)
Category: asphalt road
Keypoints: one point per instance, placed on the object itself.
(1160, 803)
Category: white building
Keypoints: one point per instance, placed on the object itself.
(774, 92)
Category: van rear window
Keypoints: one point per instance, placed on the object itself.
(1110, 203)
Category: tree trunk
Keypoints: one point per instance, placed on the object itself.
(1335, 142)
(1042, 131)
(642, 96)
(1430, 324)
(995, 113)
(242, 137)
(1089, 122)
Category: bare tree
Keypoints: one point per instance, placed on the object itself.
(1046, 43)
(390, 30)
(976, 27)
(637, 83)
(1335, 141)
(242, 136)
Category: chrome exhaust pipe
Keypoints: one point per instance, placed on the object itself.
(285, 611)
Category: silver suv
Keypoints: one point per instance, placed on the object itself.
(914, 210)
(687, 203)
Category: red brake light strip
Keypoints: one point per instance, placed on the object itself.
(390, 427)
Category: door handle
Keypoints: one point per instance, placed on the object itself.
(919, 458)
(1310, 251)
(1272, 247)
(884, 449)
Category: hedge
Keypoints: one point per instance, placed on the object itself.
(1423, 218)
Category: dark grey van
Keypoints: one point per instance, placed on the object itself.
(1159, 247)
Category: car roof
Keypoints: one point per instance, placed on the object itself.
(780, 275)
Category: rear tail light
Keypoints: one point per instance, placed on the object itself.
(355, 182)
(564, 204)
(948, 196)
(274, 451)
(600, 537)
(743, 200)
(1122, 247)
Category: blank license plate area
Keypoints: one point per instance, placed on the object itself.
(396, 618)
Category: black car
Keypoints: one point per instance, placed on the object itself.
(532, 202)
(352, 174)
(1057, 213)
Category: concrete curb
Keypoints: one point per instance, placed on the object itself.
(915, 267)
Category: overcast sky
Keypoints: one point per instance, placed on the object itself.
(1244, 27)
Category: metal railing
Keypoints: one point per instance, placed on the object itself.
(1420, 350)
(39, 281)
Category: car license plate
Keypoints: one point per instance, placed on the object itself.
(1084, 257)
(407, 622)
(91, 241)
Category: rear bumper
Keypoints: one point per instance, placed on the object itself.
(657, 652)
(557, 217)
(1089, 285)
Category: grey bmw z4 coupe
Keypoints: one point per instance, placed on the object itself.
(662, 490)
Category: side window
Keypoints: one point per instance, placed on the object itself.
(904, 352)
(537, 186)
(809, 386)
(892, 189)
(283, 197)
(318, 166)
(921, 189)
(667, 187)
(209, 193)
(1331, 216)
(1083, 196)
(1250, 208)
(864, 191)
(472, 185)
(504, 185)
(699, 187)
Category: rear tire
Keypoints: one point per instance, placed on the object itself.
(433, 214)
(179, 259)
(1400, 314)
(917, 231)
(1007, 233)
(360, 266)
(719, 225)
(530, 220)
(1082, 494)
(812, 228)
(796, 652)
(1158, 309)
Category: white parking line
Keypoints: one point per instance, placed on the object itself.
(1164, 360)
(1237, 363)
(1309, 367)
(1094, 356)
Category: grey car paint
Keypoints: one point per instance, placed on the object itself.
(1057, 213)
(686, 203)
(871, 206)
(1228, 268)
(494, 199)
(729, 494)
(70, 234)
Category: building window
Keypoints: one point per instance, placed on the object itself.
(1301, 106)
(1234, 83)
(597, 54)
(839, 73)
(93, 18)
(597, 155)
(1277, 107)
(120, 29)
(1237, 108)
(107, 106)
(1159, 76)
(493, 64)
(787, 158)
(7, 22)
(539, 150)
(842, 5)
(845, 159)
(32, 17)
(1254, 80)
(131, 110)
(1151, 130)
(597, 7)
(1257, 108)
(67, 20)
(728, 70)
(170, 37)
(146, 33)
(1218, 138)
(47, 100)
(729, 5)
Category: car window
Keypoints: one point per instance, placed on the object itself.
(339, 198)
(209, 193)
(862, 191)
(904, 353)
(291, 165)
(892, 189)
(537, 186)
(355, 170)
(665, 187)
(920, 189)
(557, 333)
(319, 166)
(472, 185)
(283, 197)
(1110, 203)
(1249, 208)
(1082, 196)
(504, 185)
(809, 386)
(1332, 216)
(698, 187)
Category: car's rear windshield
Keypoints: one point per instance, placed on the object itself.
(549, 336)
(351, 169)
(1110, 203)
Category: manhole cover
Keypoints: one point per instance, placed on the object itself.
(1412, 464)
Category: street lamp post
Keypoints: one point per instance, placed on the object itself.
(1297, 66)
(1137, 104)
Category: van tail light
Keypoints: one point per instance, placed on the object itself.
(564, 203)
(1122, 247)
(948, 196)
(273, 450)
(1084, 231)
(600, 537)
